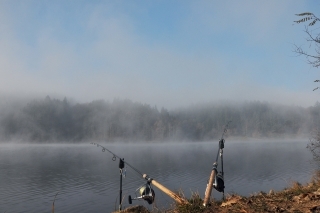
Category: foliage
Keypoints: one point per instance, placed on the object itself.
(54, 120)
(313, 39)
(309, 16)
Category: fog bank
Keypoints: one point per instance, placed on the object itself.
(60, 120)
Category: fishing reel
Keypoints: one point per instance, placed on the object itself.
(146, 193)
(219, 183)
(221, 143)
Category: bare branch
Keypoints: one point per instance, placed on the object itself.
(314, 146)
(300, 51)
(317, 40)
(312, 59)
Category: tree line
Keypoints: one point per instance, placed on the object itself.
(54, 120)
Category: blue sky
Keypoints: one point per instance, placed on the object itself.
(164, 53)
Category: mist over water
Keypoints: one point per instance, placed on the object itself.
(88, 180)
(50, 120)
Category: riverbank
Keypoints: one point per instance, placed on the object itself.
(297, 198)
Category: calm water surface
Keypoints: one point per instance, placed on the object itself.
(88, 180)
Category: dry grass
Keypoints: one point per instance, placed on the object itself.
(134, 209)
(297, 198)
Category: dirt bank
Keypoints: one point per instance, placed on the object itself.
(297, 198)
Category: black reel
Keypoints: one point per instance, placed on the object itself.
(221, 144)
(146, 193)
(219, 183)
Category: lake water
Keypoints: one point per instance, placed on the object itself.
(88, 180)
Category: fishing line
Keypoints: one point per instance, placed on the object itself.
(221, 152)
(221, 141)
(116, 156)
(225, 129)
(164, 198)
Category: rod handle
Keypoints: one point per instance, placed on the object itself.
(209, 188)
(167, 191)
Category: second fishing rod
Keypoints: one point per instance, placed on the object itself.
(216, 179)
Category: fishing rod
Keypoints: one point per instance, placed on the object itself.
(216, 179)
(121, 166)
(146, 191)
(54, 201)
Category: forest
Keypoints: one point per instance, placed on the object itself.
(53, 120)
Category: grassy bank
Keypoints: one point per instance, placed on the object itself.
(297, 198)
